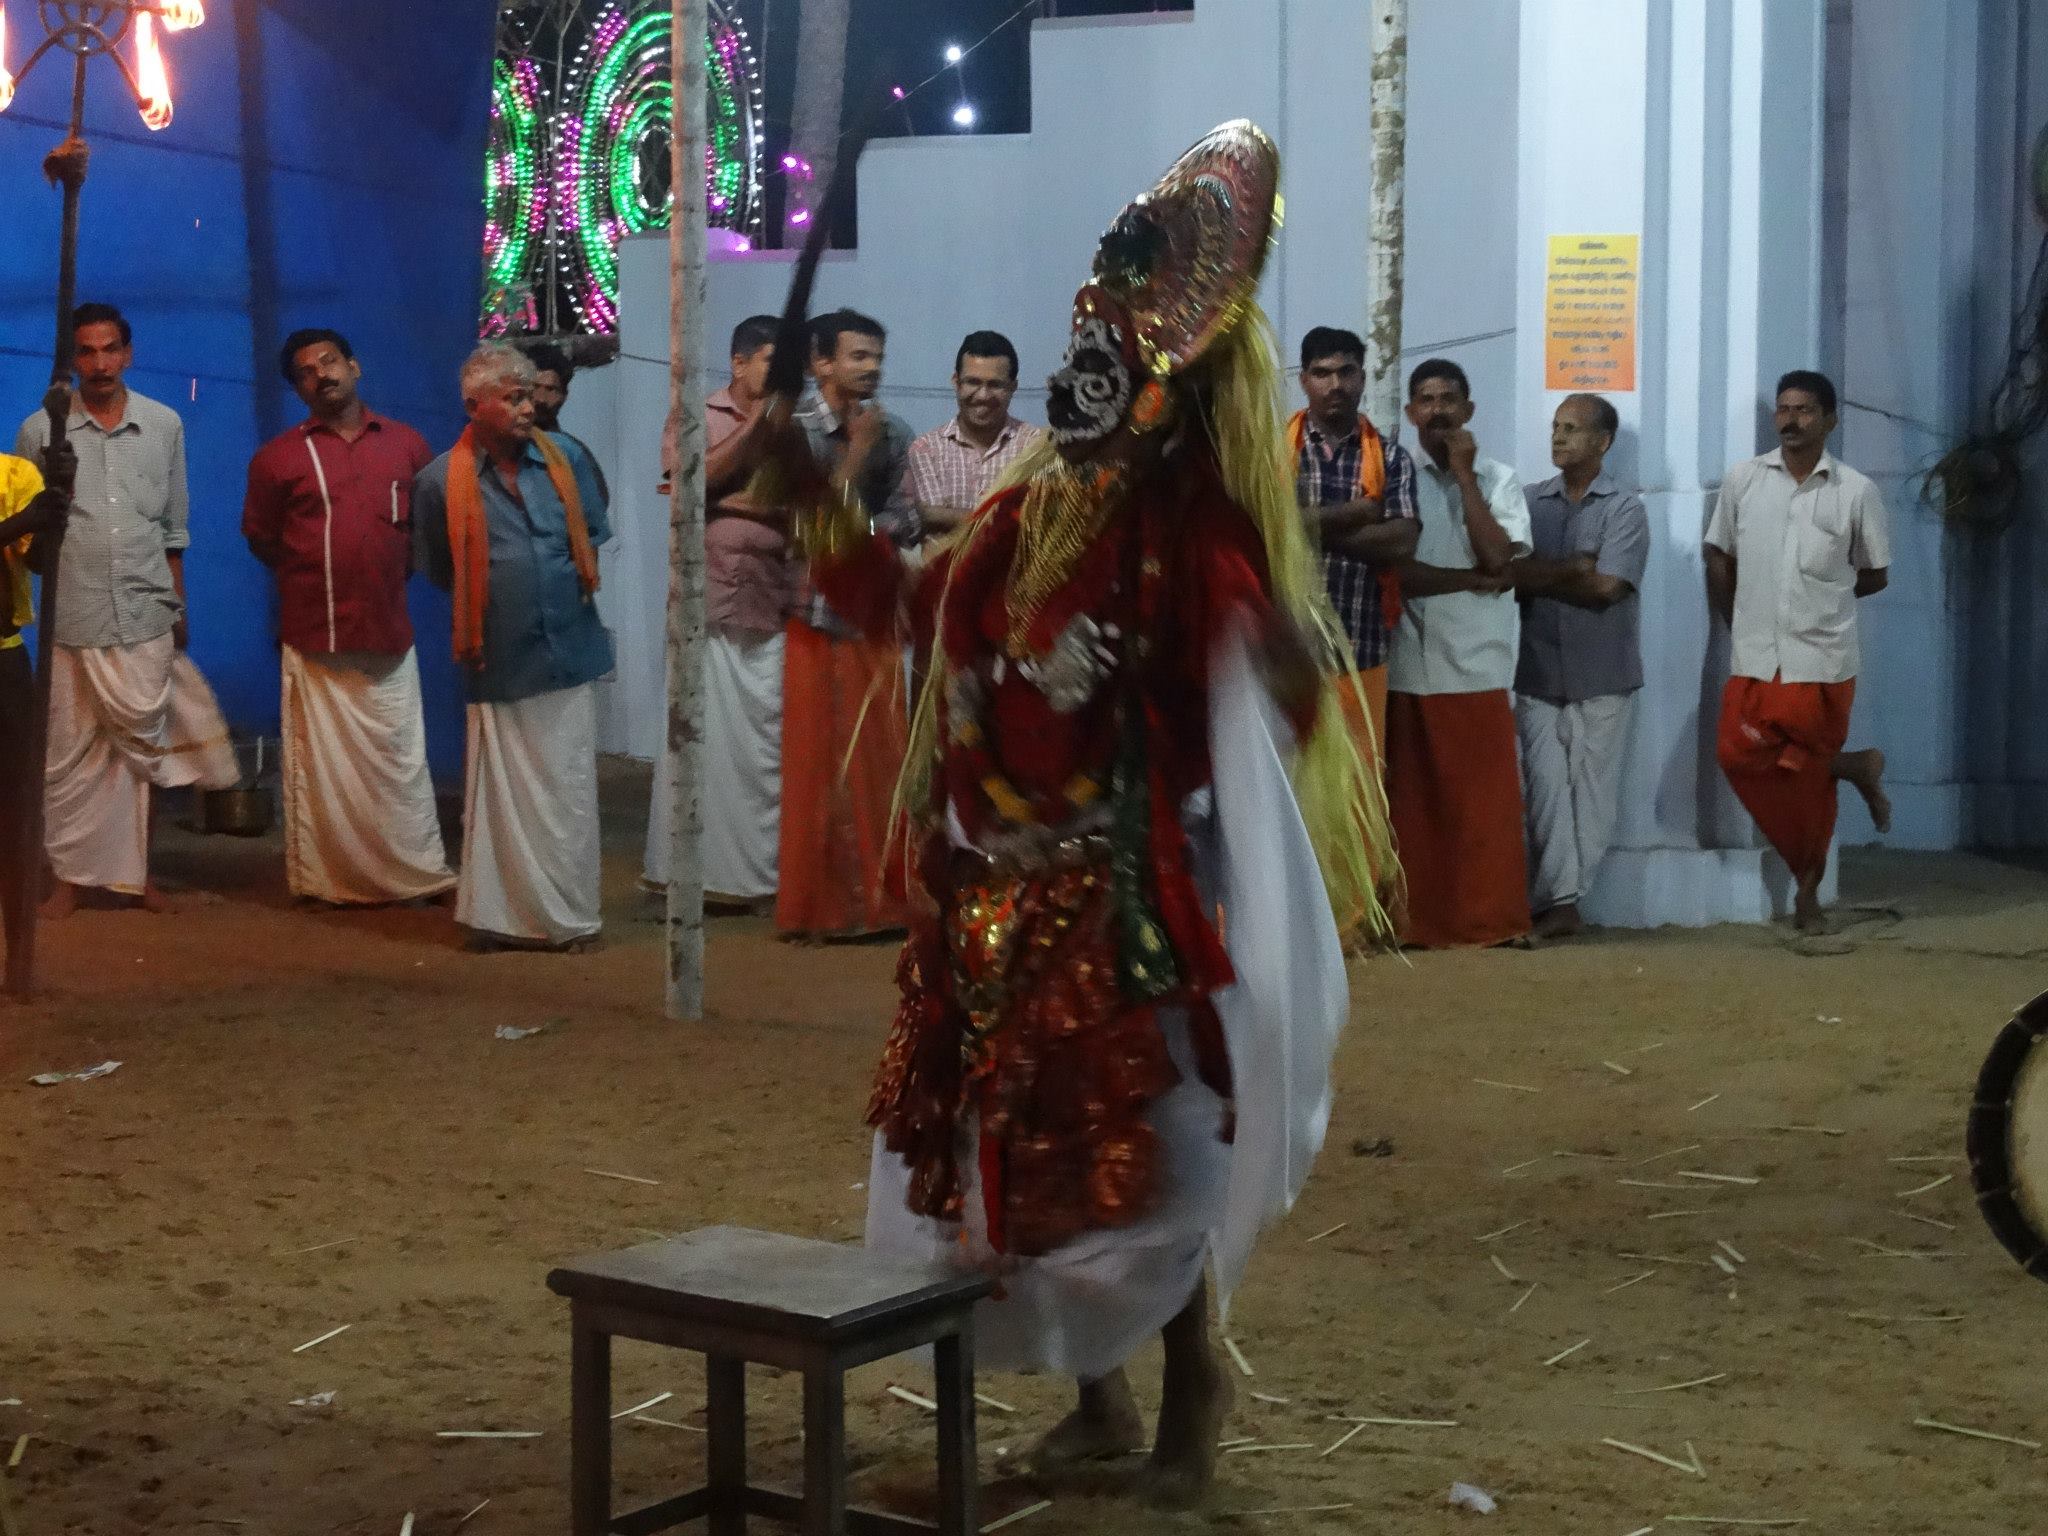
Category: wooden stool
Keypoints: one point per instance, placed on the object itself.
(736, 1296)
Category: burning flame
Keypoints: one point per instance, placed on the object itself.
(6, 80)
(150, 79)
(181, 14)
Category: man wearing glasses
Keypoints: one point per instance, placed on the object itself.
(953, 467)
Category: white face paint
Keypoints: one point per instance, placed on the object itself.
(1090, 395)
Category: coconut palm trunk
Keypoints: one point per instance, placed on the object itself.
(686, 261)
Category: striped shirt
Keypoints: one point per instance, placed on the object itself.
(128, 517)
(1327, 476)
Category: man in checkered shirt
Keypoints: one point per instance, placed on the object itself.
(952, 467)
(1361, 512)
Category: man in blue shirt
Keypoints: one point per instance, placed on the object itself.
(1581, 660)
(509, 521)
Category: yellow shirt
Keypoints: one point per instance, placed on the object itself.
(20, 483)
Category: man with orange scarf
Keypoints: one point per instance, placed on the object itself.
(1796, 539)
(508, 521)
(1357, 492)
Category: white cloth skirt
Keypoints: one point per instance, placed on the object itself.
(530, 852)
(121, 719)
(742, 770)
(1084, 1309)
(359, 821)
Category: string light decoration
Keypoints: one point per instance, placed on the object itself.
(515, 196)
(579, 155)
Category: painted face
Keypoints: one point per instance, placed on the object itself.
(1090, 395)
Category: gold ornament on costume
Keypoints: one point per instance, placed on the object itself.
(1064, 512)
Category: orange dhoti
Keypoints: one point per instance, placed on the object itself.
(1372, 688)
(843, 739)
(1454, 795)
(1777, 745)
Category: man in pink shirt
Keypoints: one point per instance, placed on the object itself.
(329, 510)
(749, 587)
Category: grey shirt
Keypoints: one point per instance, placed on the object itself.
(885, 490)
(128, 516)
(1572, 654)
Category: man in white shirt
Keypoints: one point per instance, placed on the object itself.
(1796, 539)
(1454, 789)
(129, 710)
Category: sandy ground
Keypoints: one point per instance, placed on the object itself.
(313, 1126)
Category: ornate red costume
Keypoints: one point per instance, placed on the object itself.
(1034, 972)
(1096, 1085)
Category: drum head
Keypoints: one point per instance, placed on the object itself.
(2008, 1138)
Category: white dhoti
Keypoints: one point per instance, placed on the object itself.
(530, 850)
(742, 770)
(359, 819)
(1571, 783)
(123, 718)
(1083, 1309)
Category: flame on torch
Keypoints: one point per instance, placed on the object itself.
(150, 80)
(6, 80)
(178, 15)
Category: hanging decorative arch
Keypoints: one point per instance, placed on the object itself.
(581, 124)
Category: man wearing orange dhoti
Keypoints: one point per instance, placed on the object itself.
(844, 714)
(1454, 788)
(1796, 539)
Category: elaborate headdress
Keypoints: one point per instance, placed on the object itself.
(1184, 259)
(1174, 273)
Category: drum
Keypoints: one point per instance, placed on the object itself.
(2008, 1138)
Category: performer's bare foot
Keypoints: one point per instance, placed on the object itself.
(1560, 922)
(1194, 1403)
(152, 899)
(1865, 771)
(1106, 1423)
(60, 903)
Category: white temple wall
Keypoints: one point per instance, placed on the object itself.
(1814, 181)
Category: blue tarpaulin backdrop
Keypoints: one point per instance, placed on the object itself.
(324, 168)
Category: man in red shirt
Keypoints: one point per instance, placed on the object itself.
(329, 510)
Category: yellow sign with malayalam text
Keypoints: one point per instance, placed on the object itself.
(1589, 313)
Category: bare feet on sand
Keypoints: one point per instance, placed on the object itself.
(1560, 922)
(60, 903)
(153, 900)
(1106, 1424)
(1864, 771)
(1194, 1403)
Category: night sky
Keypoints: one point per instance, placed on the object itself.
(902, 42)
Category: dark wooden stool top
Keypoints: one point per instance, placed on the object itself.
(799, 1286)
(737, 1296)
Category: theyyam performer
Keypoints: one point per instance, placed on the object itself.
(1096, 1087)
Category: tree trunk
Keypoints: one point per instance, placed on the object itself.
(814, 117)
(1389, 107)
(686, 259)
